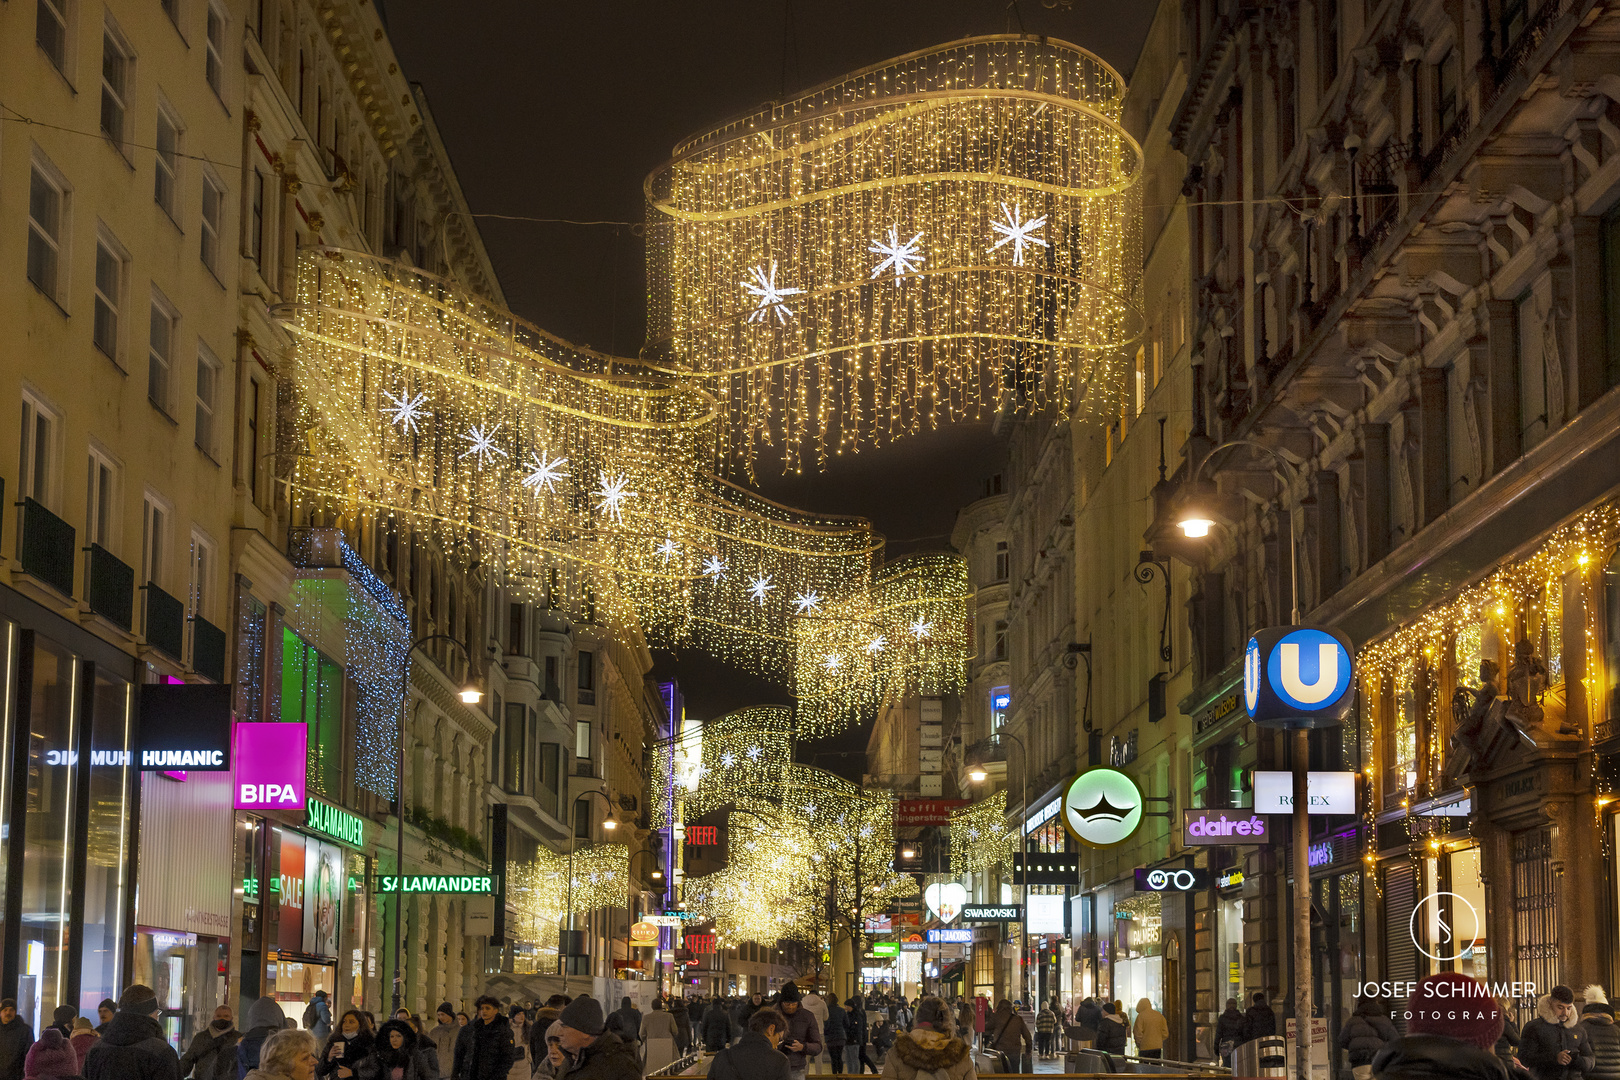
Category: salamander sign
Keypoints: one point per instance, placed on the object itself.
(470, 884)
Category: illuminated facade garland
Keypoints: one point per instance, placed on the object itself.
(930, 239)
(539, 890)
(981, 839)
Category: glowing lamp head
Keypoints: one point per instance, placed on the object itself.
(907, 853)
(977, 774)
(658, 875)
(1195, 527)
(471, 694)
(610, 823)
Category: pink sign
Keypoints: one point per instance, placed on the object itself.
(269, 761)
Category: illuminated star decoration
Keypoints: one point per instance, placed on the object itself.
(876, 644)
(770, 295)
(920, 629)
(483, 443)
(833, 662)
(758, 587)
(807, 601)
(753, 753)
(405, 409)
(668, 549)
(714, 567)
(543, 473)
(611, 495)
(728, 759)
(1017, 231)
(905, 258)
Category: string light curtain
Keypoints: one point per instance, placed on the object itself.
(940, 236)
(539, 889)
(981, 839)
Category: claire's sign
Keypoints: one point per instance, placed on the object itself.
(271, 759)
(1209, 827)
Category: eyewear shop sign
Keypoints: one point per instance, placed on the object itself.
(185, 727)
(1171, 879)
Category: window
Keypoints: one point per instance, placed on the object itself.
(101, 500)
(38, 457)
(515, 745)
(213, 207)
(112, 273)
(1611, 637)
(51, 31)
(214, 67)
(582, 739)
(587, 678)
(160, 352)
(1000, 651)
(168, 161)
(1512, 23)
(208, 377)
(550, 790)
(1000, 702)
(582, 820)
(255, 229)
(312, 694)
(155, 515)
(199, 604)
(1446, 81)
(1001, 560)
(115, 68)
(47, 198)
(1328, 32)
(514, 629)
(254, 452)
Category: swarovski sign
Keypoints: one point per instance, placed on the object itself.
(992, 912)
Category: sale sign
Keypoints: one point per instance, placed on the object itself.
(270, 762)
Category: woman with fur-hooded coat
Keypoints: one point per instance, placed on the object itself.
(1597, 1018)
(931, 1049)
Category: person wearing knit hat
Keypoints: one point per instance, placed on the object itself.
(1597, 1020)
(133, 1046)
(62, 1019)
(801, 1038)
(52, 1058)
(1452, 1024)
(598, 1053)
(444, 1035)
(84, 1037)
(1554, 1046)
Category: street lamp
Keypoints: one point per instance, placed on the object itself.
(978, 774)
(1194, 518)
(610, 823)
(630, 913)
(470, 694)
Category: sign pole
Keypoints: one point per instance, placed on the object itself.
(1302, 904)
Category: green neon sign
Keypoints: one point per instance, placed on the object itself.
(339, 824)
(468, 884)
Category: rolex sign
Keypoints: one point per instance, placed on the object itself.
(1298, 676)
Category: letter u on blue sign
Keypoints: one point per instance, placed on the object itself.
(1309, 670)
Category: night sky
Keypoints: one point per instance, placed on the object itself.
(554, 110)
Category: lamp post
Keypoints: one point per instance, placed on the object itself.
(610, 823)
(470, 694)
(629, 909)
(978, 774)
(1196, 523)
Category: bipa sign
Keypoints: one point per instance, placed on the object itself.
(270, 764)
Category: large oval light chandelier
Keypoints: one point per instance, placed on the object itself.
(935, 238)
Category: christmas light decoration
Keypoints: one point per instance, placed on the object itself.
(539, 889)
(981, 839)
(761, 232)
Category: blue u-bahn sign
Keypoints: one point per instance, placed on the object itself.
(1298, 676)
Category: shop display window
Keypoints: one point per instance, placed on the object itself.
(106, 878)
(52, 780)
(188, 972)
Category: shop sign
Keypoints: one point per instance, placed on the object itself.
(271, 759)
(644, 933)
(992, 912)
(1171, 879)
(1207, 827)
(1326, 792)
(681, 915)
(471, 884)
(945, 900)
(1229, 879)
(886, 948)
(1041, 868)
(478, 916)
(914, 946)
(185, 726)
(1223, 708)
(288, 885)
(1297, 676)
(878, 924)
(698, 943)
(1102, 807)
(325, 818)
(950, 937)
(1043, 815)
(1046, 915)
(922, 812)
(702, 835)
(662, 920)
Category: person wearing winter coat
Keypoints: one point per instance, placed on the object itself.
(104, 1014)
(931, 1049)
(1597, 1019)
(1007, 1033)
(84, 1037)
(801, 1035)
(133, 1047)
(835, 1032)
(346, 1048)
(745, 1008)
(1554, 1046)
(1451, 1030)
(444, 1035)
(1088, 1020)
(716, 1029)
(393, 1054)
(755, 1055)
(288, 1054)
(883, 1036)
(427, 1051)
(1228, 1031)
(51, 1058)
(597, 1053)
(683, 1025)
(855, 1056)
(1366, 1032)
(625, 1021)
(1112, 1032)
(15, 1039)
(1259, 1019)
(62, 1020)
(658, 1036)
(1045, 1026)
(1151, 1030)
(212, 1053)
(484, 1049)
(264, 1018)
(816, 1007)
(318, 1017)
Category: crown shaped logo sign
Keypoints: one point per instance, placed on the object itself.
(1103, 810)
(1102, 806)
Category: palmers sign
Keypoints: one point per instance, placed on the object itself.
(1206, 828)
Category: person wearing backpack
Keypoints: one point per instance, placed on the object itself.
(317, 1018)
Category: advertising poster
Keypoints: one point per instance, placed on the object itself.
(290, 885)
(323, 897)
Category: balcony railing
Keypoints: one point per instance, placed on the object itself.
(1448, 141)
(109, 587)
(45, 546)
(165, 621)
(208, 650)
